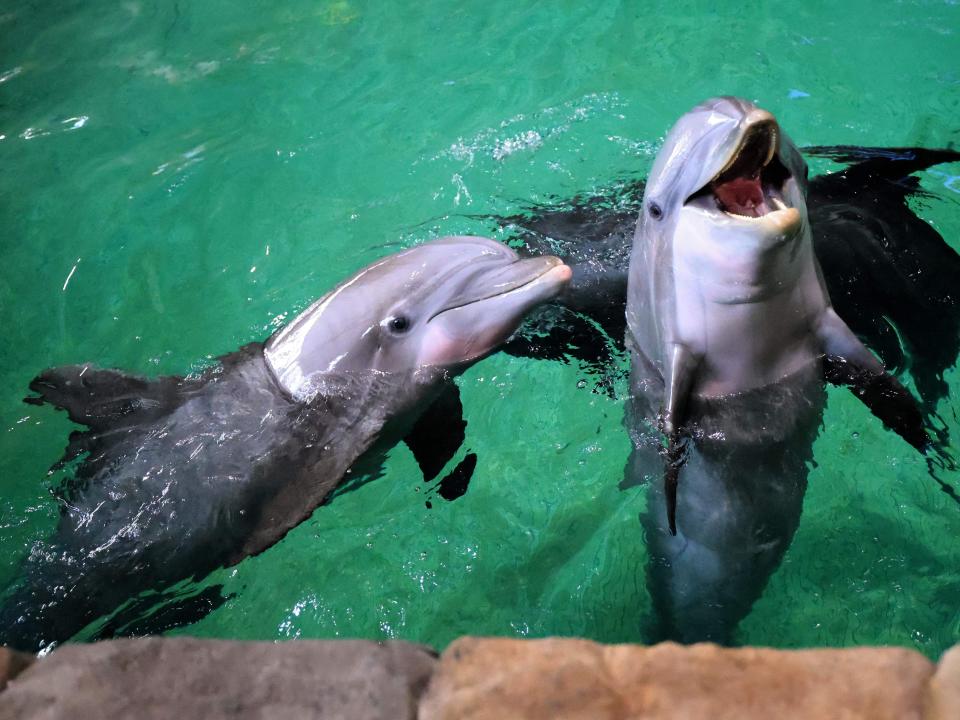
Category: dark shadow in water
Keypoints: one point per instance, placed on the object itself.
(455, 484)
(158, 613)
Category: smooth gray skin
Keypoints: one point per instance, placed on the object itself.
(180, 476)
(728, 324)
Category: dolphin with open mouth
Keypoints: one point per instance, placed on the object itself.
(731, 335)
(177, 476)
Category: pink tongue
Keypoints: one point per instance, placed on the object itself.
(741, 196)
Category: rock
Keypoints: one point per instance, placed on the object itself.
(12, 663)
(187, 678)
(943, 701)
(481, 679)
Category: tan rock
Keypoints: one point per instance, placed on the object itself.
(496, 679)
(12, 663)
(943, 702)
(185, 678)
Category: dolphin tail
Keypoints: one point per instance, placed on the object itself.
(38, 610)
(891, 163)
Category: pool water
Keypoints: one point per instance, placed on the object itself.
(179, 178)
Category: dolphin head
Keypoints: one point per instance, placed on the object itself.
(724, 205)
(727, 176)
(728, 151)
(723, 223)
(433, 309)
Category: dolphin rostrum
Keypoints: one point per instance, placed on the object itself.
(731, 332)
(177, 476)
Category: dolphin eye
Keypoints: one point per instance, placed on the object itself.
(655, 212)
(398, 324)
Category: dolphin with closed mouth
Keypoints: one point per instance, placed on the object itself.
(731, 336)
(178, 476)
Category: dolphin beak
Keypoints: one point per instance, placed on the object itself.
(480, 321)
(545, 270)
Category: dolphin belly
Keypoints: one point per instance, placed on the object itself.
(744, 478)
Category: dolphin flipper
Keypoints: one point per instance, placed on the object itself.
(438, 433)
(682, 369)
(848, 362)
(155, 613)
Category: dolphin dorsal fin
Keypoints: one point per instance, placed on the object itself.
(99, 398)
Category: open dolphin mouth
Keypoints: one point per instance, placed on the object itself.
(751, 183)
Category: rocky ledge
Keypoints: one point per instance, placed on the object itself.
(475, 679)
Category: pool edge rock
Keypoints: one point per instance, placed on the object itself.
(12, 663)
(185, 677)
(481, 679)
(474, 679)
(943, 700)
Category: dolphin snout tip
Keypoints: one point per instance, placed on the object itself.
(556, 270)
(757, 116)
(786, 219)
(562, 272)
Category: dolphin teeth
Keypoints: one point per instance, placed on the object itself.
(780, 204)
(774, 144)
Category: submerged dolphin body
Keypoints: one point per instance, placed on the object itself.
(730, 332)
(179, 476)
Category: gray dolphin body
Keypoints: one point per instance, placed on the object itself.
(731, 331)
(179, 476)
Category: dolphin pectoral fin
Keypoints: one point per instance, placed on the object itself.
(155, 613)
(438, 433)
(849, 363)
(683, 364)
(671, 477)
(885, 396)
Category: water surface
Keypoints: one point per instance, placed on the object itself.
(181, 177)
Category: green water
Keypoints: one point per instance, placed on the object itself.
(179, 177)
